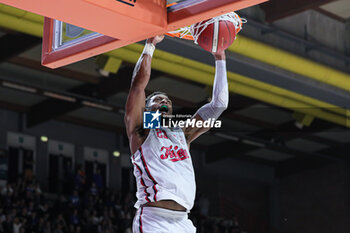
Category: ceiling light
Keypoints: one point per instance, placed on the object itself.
(60, 97)
(100, 106)
(229, 137)
(116, 153)
(253, 143)
(19, 87)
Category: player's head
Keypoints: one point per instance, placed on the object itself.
(159, 101)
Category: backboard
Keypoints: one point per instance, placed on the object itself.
(104, 25)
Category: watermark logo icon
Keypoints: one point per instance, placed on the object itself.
(151, 120)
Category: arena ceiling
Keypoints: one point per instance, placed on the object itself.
(265, 129)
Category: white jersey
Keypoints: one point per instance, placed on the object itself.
(163, 169)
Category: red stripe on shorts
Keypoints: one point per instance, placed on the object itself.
(141, 231)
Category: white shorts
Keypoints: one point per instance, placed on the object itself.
(160, 220)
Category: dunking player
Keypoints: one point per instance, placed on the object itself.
(162, 163)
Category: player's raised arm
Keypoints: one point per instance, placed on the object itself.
(218, 103)
(136, 99)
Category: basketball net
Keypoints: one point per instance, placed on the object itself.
(193, 32)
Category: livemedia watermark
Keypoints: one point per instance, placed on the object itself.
(155, 120)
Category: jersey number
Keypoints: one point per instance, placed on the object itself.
(161, 134)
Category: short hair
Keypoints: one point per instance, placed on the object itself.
(148, 98)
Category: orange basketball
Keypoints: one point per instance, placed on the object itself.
(217, 36)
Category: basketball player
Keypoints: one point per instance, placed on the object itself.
(162, 163)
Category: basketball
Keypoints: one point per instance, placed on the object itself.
(217, 36)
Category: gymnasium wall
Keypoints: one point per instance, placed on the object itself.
(80, 136)
(316, 201)
(244, 185)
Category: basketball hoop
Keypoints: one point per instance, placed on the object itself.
(193, 32)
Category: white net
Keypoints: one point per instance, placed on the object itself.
(193, 32)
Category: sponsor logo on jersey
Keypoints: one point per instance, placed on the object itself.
(174, 154)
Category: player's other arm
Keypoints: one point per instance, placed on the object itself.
(218, 103)
(135, 103)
